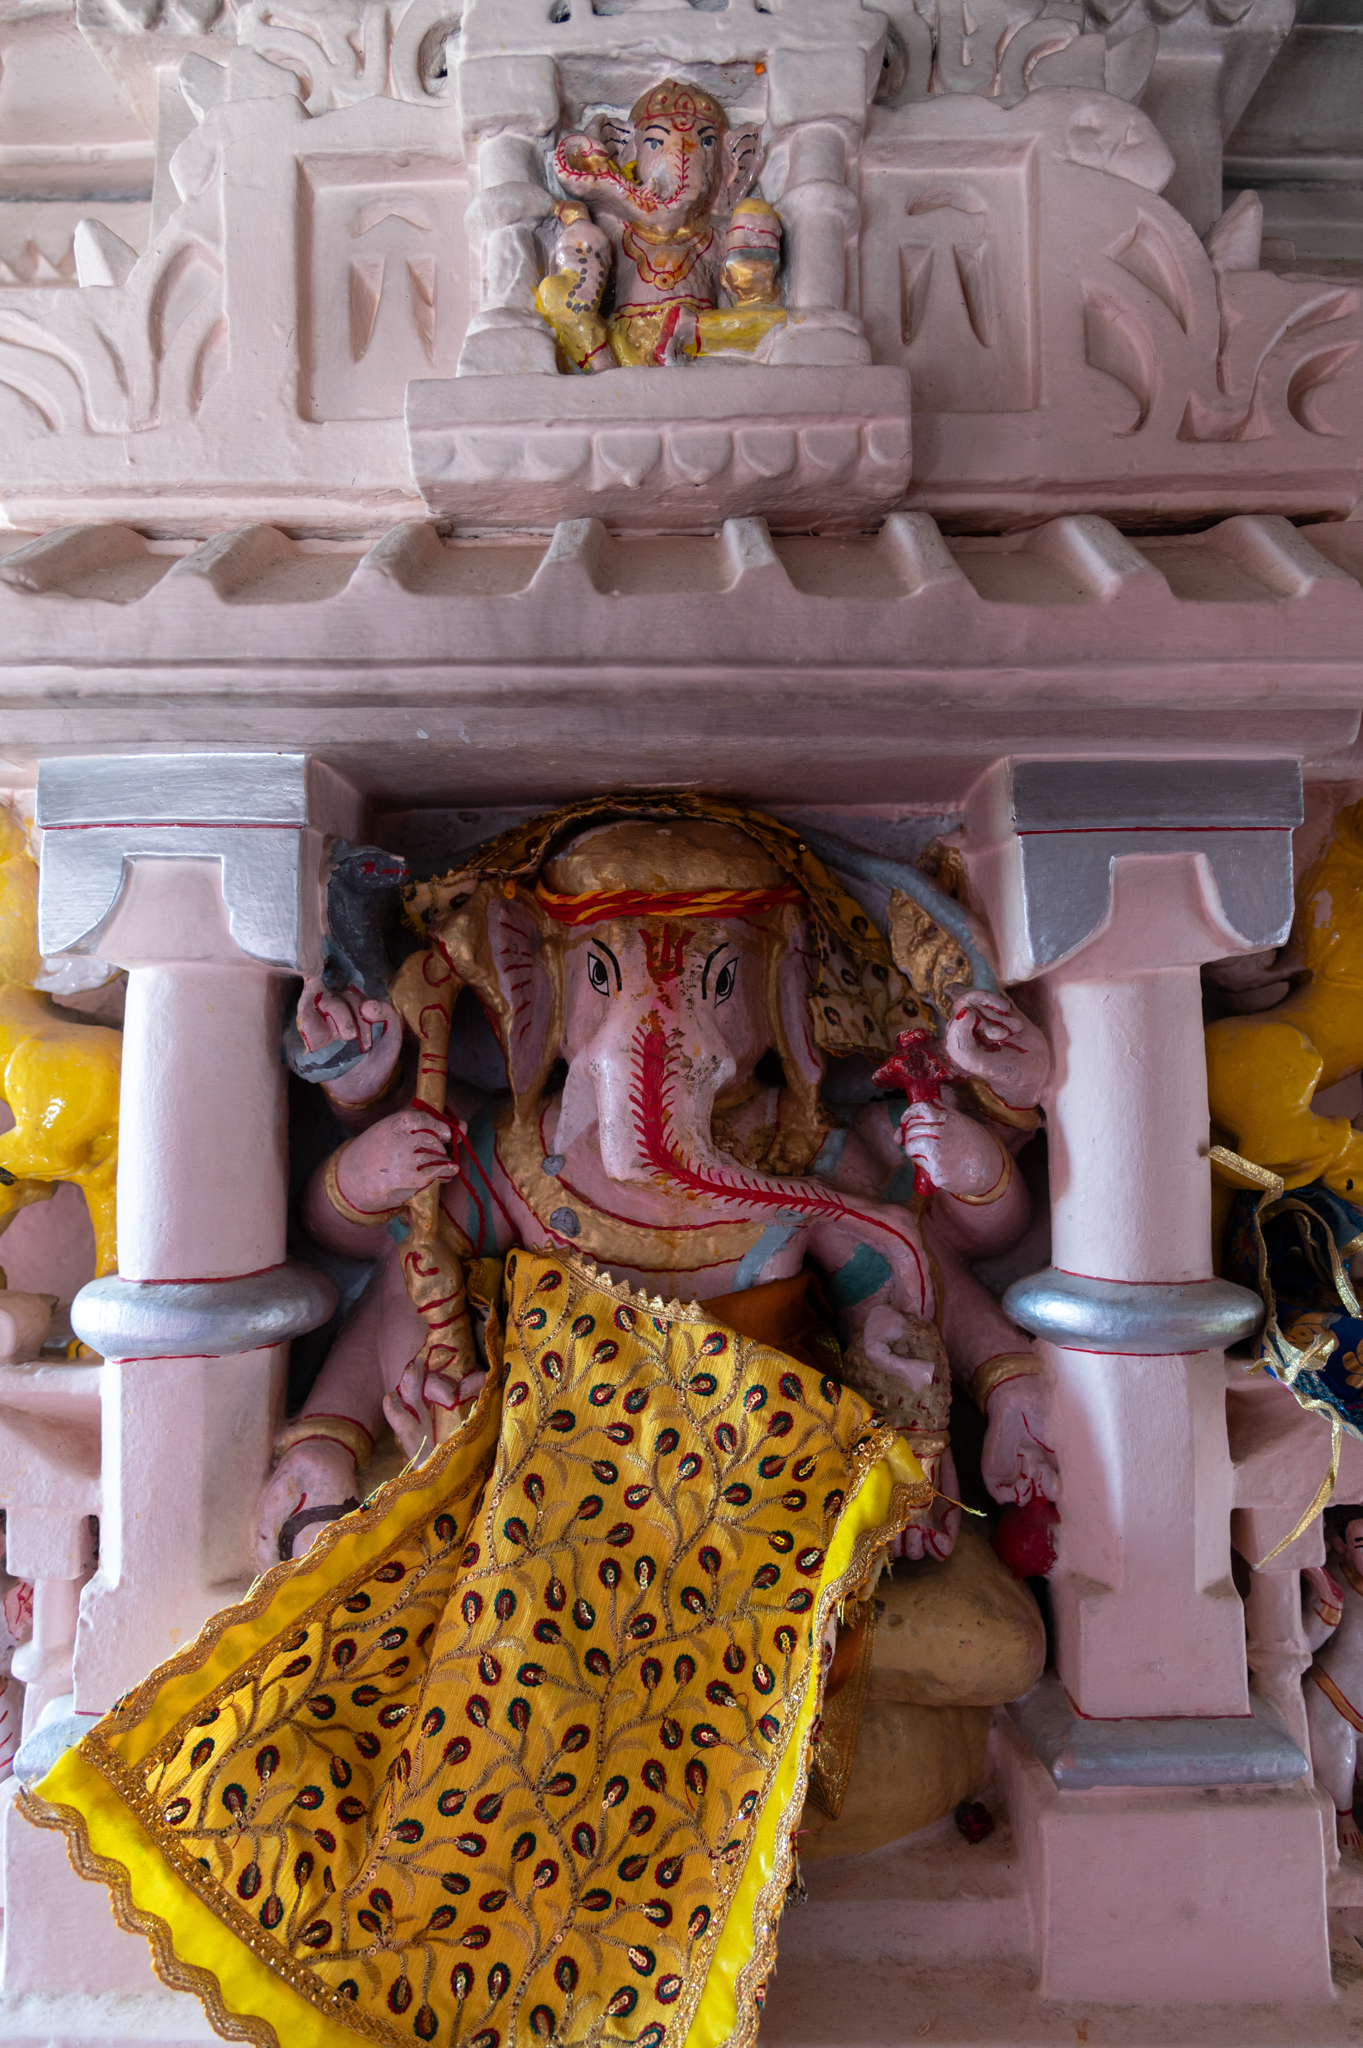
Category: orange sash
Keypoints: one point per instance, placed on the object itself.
(1336, 1698)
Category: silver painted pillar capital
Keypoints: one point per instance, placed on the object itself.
(1046, 837)
(262, 817)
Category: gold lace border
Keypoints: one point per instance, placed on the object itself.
(886, 1485)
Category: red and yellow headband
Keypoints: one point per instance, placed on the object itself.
(597, 905)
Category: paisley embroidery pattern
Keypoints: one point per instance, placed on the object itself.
(500, 1783)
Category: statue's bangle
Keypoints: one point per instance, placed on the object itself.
(336, 1429)
(386, 1087)
(927, 1443)
(1009, 1365)
(999, 1189)
(367, 1219)
(997, 1110)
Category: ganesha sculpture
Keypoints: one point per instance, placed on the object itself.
(660, 209)
(641, 974)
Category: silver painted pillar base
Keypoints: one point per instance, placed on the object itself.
(1250, 1749)
(201, 1318)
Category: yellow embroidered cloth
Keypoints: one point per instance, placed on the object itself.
(516, 1751)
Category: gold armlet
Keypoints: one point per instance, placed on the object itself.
(365, 1218)
(1009, 1365)
(336, 1429)
(997, 1110)
(999, 1189)
(927, 1443)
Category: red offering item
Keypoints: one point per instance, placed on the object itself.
(1026, 1538)
(919, 1067)
(974, 1820)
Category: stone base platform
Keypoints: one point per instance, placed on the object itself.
(927, 1940)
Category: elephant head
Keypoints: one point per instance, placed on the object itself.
(667, 961)
(662, 962)
(686, 160)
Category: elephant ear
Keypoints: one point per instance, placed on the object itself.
(497, 945)
(793, 969)
(742, 161)
(618, 136)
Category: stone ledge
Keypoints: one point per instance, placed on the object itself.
(675, 448)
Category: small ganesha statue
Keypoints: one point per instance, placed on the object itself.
(662, 203)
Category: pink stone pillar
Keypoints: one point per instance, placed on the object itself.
(818, 102)
(1139, 1759)
(1110, 883)
(201, 875)
(1147, 1617)
(508, 105)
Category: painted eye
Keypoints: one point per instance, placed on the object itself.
(724, 981)
(598, 975)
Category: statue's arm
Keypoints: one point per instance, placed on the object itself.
(889, 1352)
(1322, 1606)
(981, 1204)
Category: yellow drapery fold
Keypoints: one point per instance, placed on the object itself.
(515, 1752)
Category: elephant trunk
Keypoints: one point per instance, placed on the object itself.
(650, 1086)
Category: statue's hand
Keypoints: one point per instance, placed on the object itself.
(317, 1474)
(933, 1531)
(325, 1015)
(393, 1160)
(1018, 1462)
(989, 1039)
(880, 1364)
(958, 1154)
(413, 1408)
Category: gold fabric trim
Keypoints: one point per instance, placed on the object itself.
(177, 1974)
(172, 1780)
(835, 1744)
(904, 1500)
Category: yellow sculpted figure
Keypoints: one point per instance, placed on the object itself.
(1263, 1070)
(663, 203)
(59, 1077)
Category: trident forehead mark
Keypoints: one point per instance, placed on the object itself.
(665, 951)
